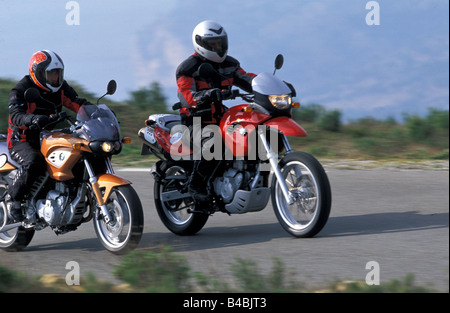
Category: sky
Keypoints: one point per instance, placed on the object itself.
(365, 58)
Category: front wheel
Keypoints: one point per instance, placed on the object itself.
(125, 231)
(310, 189)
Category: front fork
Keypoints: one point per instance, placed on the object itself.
(93, 179)
(273, 159)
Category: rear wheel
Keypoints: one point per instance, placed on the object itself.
(17, 238)
(180, 215)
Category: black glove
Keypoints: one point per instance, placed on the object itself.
(40, 120)
(32, 119)
(213, 95)
(82, 101)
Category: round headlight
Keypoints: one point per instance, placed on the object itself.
(107, 146)
(280, 101)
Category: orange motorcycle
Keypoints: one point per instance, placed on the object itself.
(79, 184)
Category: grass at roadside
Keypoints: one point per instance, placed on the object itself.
(378, 142)
(163, 271)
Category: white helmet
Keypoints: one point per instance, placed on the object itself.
(210, 41)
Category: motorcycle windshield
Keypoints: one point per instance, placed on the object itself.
(268, 84)
(98, 123)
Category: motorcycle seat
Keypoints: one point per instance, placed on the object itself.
(165, 121)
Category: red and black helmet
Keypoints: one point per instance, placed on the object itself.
(47, 70)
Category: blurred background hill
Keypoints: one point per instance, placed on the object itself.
(414, 138)
(334, 55)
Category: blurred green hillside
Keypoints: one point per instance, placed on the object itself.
(416, 138)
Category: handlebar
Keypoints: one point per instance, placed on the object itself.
(225, 94)
(229, 94)
(201, 113)
(234, 93)
(53, 119)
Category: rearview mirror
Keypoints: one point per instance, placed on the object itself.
(110, 89)
(112, 86)
(32, 95)
(279, 60)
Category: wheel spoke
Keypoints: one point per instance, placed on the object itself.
(117, 233)
(310, 191)
(176, 210)
(302, 185)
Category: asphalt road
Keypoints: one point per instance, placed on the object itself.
(398, 218)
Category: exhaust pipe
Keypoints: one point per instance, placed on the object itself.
(8, 227)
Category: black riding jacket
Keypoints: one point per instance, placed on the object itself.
(192, 87)
(22, 112)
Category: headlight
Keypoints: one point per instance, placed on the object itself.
(107, 146)
(281, 102)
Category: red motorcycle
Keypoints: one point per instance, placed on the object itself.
(249, 144)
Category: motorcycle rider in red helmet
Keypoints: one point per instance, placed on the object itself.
(210, 42)
(46, 73)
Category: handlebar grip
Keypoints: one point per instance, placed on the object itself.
(33, 127)
(176, 106)
(53, 118)
(225, 94)
(62, 115)
(230, 94)
(202, 112)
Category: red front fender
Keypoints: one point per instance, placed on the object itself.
(287, 126)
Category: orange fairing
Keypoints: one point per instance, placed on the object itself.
(58, 150)
(107, 182)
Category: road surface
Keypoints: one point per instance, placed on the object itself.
(397, 218)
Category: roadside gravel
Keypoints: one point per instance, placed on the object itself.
(432, 165)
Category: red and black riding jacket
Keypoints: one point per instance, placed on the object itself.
(191, 87)
(21, 111)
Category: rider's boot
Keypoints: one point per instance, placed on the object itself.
(197, 187)
(197, 182)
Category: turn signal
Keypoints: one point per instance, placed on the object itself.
(248, 109)
(296, 105)
(126, 139)
(77, 146)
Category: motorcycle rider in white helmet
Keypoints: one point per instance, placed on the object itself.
(210, 42)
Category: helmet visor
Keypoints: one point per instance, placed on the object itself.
(54, 77)
(217, 44)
